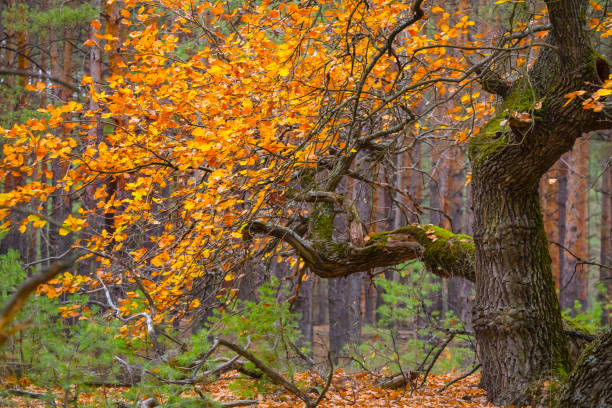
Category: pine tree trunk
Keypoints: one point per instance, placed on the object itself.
(549, 195)
(459, 290)
(303, 306)
(574, 278)
(344, 316)
(605, 274)
(320, 301)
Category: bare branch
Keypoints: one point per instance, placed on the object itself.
(150, 326)
(472, 371)
(277, 378)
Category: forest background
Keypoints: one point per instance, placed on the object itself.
(64, 79)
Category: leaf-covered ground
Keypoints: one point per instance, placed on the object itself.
(354, 390)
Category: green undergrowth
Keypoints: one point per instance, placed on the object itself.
(409, 327)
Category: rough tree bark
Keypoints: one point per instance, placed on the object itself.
(515, 293)
(589, 384)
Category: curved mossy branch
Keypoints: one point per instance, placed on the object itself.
(445, 254)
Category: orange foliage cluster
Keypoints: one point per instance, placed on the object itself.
(198, 146)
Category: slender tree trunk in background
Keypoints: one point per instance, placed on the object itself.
(459, 290)
(338, 318)
(605, 274)
(320, 303)
(117, 67)
(342, 317)
(574, 282)
(96, 136)
(562, 198)
(61, 203)
(549, 193)
(344, 296)
(303, 305)
(368, 200)
(415, 187)
(437, 184)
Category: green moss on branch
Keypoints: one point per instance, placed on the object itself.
(444, 253)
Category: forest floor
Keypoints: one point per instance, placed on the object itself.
(353, 390)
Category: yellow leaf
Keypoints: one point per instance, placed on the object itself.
(64, 231)
(230, 277)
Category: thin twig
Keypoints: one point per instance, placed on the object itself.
(435, 358)
(329, 380)
(472, 371)
(127, 366)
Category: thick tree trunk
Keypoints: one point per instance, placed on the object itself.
(516, 318)
(514, 292)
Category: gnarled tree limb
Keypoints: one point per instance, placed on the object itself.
(444, 253)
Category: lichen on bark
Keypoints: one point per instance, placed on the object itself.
(495, 134)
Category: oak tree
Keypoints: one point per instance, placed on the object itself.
(229, 130)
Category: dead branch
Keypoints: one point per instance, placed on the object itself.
(43, 396)
(239, 403)
(276, 378)
(399, 380)
(150, 326)
(127, 366)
